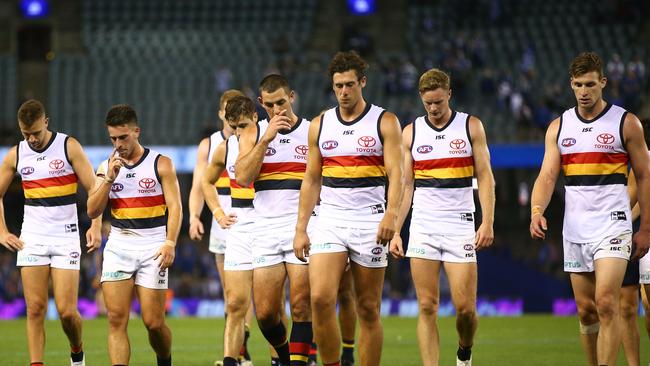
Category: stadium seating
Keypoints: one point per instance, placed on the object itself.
(8, 99)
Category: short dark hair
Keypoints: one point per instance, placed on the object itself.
(121, 114)
(30, 112)
(349, 60)
(584, 63)
(238, 107)
(273, 82)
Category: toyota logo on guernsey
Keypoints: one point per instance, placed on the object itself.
(329, 145)
(425, 149)
(270, 151)
(117, 187)
(56, 164)
(366, 143)
(457, 146)
(147, 185)
(604, 141)
(301, 149)
(568, 142)
(27, 170)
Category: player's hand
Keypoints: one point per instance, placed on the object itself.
(196, 229)
(11, 242)
(641, 241)
(166, 253)
(484, 236)
(301, 245)
(279, 122)
(226, 221)
(538, 226)
(115, 163)
(395, 247)
(386, 229)
(93, 239)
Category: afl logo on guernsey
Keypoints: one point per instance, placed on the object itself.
(231, 169)
(301, 149)
(147, 183)
(367, 141)
(457, 144)
(27, 170)
(425, 149)
(117, 187)
(56, 164)
(329, 145)
(605, 138)
(270, 151)
(568, 142)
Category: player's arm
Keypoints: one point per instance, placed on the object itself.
(309, 191)
(545, 182)
(106, 174)
(7, 172)
(485, 178)
(638, 152)
(396, 248)
(211, 174)
(251, 151)
(393, 159)
(84, 171)
(631, 191)
(196, 193)
(172, 194)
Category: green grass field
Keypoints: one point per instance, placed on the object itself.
(529, 340)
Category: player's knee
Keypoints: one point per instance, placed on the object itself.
(346, 298)
(236, 305)
(68, 315)
(154, 324)
(321, 302)
(587, 312)
(301, 308)
(628, 312)
(428, 307)
(466, 311)
(368, 310)
(606, 306)
(36, 310)
(117, 318)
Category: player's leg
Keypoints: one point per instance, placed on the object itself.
(152, 305)
(238, 295)
(629, 307)
(462, 282)
(426, 280)
(301, 327)
(65, 285)
(347, 318)
(268, 285)
(118, 297)
(645, 296)
(35, 285)
(584, 291)
(609, 276)
(325, 271)
(368, 286)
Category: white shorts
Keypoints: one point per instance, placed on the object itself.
(580, 257)
(64, 255)
(218, 244)
(120, 264)
(644, 270)
(442, 247)
(273, 242)
(238, 255)
(342, 236)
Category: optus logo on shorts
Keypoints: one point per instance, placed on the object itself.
(329, 145)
